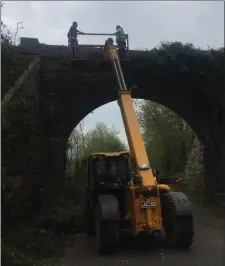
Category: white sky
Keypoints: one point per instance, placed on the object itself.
(147, 22)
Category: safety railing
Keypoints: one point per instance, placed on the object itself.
(101, 34)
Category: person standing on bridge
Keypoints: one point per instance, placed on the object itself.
(72, 37)
(121, 41)
(120, 36)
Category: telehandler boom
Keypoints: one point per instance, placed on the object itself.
(144, 218)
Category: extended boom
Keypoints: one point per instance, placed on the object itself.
(147, 190)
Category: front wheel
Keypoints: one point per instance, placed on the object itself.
(89, 221)
(107, 236)
(107, 224)
(180, 234)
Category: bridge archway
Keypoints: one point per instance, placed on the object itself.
(196, 109)
(160, 157)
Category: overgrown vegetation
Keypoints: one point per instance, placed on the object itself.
(58, 210)
(168, 138)
(21, 233)
(99, 139)
(13, 63)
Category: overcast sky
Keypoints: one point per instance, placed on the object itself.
(147, 23)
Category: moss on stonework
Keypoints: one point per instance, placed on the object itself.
(194, 172)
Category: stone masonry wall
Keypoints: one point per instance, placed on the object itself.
(21, 146)
(194, 171)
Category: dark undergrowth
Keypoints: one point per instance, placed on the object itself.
(13, 65)
(34, 236)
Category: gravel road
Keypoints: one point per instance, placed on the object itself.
(208, 248)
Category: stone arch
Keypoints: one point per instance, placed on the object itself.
(195, 108)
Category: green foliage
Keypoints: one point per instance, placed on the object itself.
(6, 39)
(103, 139)
(99, 139)
(13, 63)
(167, 137)
(6, 44)
(181, 62)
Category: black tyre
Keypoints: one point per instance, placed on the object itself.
(179, 234)
(89, 228)
(107, 236)
(177, 220)
(107, 224)
(89, 221)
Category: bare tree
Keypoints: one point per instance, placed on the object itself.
(75, 148)
(81, 127)
(17, 30)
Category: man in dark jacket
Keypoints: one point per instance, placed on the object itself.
(121, 41)
(72, 37)
(120, 35)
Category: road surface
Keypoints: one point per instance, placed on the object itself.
(208, 249)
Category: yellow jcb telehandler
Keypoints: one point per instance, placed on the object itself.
(123, 192)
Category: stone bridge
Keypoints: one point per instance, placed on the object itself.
(184, 79)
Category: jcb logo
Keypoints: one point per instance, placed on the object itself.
(148, 204)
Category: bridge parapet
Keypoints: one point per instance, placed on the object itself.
(33, 46)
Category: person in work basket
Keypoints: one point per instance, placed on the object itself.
(108, 42)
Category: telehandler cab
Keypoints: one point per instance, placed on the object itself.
(123, 192)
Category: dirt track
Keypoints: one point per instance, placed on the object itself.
(208, 249)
